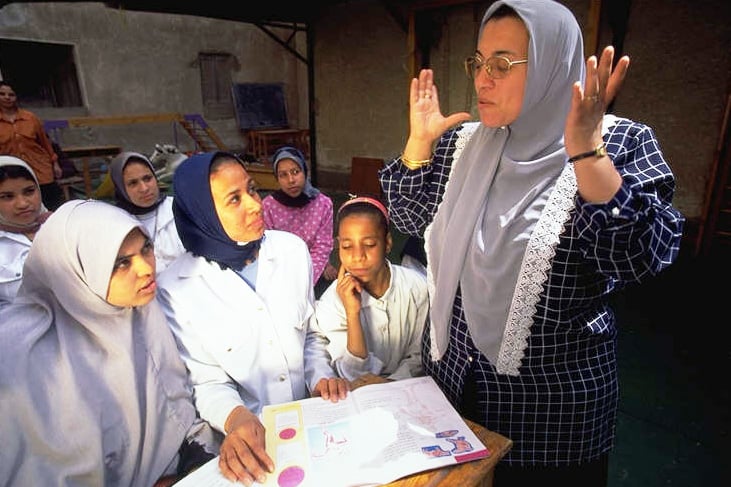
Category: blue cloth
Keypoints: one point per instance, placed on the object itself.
(195, 214)
(561, 409)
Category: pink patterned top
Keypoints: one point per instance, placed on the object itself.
(313, 223)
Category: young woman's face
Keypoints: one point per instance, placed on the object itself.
(291, 177)
(8, 99)
(499, 100)
(238, 204)
(20, 201)
(140, 184)
(133, 278)
(363, 246)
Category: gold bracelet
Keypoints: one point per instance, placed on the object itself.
(415, 164)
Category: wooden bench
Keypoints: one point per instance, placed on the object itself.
(85, 154)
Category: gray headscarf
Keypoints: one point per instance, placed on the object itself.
(500, 184)
(296, 155)
(90, 393)
(116, 171)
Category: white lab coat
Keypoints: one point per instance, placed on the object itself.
(244, 347)
(160, 224)
(14, 248)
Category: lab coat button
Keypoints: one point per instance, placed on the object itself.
(282, 378)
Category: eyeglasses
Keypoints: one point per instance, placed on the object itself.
(292, 173)
(496, 67)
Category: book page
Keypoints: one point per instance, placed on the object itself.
(380, 433)
(391, 430)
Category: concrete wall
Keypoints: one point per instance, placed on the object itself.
(133, 62)
(138, 63)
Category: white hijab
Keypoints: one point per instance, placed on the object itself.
(33, 226)
(90, 393)
(500, 184)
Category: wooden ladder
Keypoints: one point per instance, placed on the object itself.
(205, 138)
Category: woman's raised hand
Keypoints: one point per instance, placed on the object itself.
(426, 121)
(583, 130)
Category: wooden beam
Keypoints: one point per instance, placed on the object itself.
(123, 119)
(593, 24)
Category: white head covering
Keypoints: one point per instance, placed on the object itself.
(90, 393)
(501, 182)
(14, 161)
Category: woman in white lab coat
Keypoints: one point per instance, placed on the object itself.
(238, 302)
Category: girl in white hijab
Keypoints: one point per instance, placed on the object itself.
(92, 389)
(21, 215)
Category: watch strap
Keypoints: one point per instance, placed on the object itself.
(599, 151)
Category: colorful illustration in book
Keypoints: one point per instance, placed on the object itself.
(328, 441)
(291, 477)
(446, 433)
(435, 451)
(287, 433)
(460, 445)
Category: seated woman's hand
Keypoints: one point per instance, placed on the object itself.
(333, 388)
(243, 456)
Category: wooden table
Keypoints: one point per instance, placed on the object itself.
(262, 142)
(86, 153)
(477, 473)
(263, 175)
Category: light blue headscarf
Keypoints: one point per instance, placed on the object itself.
(501, 182)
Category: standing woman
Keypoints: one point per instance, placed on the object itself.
(300, 208)
(21, 215)
(22, 136)
(239, 301)
(137, 190)
(531, 219)
(92, 388)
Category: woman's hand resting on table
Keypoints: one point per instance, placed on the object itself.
(243, 456)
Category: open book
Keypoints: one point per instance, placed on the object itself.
(380, 433)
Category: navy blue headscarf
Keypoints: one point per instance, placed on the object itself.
(195, 214)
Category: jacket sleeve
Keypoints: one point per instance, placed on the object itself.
(215, 393)
(638, 232)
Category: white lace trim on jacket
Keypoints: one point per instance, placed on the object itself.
(533, 274)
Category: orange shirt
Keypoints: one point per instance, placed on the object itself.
(26, 139)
